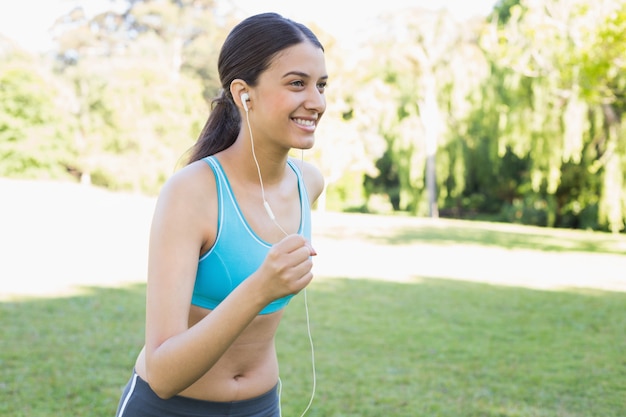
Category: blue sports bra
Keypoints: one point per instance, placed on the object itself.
(237, 251)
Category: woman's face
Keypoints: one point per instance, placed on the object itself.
(288, 100)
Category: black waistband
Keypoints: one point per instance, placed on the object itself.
(251, 407)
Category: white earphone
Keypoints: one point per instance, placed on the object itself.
(244, 98)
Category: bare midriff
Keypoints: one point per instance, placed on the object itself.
(249, 368)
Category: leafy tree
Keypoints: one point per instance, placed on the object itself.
(34, 140)
(135, 110)
(348, 140)
(432, 62)
(563, 54)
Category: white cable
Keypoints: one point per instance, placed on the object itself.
(266, 205)
(308, 326)
(280, 382)
(280, 392)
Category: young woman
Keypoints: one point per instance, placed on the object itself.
(229, 244)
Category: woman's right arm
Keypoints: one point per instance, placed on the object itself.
(184, 221)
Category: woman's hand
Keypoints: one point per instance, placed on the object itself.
(287, 267)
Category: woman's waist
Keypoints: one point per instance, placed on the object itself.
(243, 372)
(236, 383)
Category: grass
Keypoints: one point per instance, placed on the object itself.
(68, 356)
(446, 348)
(410, 318)
(434, 348)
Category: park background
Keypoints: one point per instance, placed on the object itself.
(471, 236)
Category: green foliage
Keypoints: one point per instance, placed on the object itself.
(602, 71)
(346, 193)
(502, 10)
(33, 144)
(387, 182)
(137, 96)
(553, 70)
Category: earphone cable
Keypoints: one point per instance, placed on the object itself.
(268, 209)
(308, 326)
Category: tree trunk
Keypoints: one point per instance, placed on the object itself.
(431, 119)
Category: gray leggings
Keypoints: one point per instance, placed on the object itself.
(138, 400)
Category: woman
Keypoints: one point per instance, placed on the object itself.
(229, 244)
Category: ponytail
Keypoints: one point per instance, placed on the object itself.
(220, 130)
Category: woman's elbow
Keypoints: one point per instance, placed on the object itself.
(164, 395)
(160, 383)
(162, 389)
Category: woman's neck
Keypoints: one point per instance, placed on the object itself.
(271, 163)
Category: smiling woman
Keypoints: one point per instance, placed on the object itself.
(230, 237)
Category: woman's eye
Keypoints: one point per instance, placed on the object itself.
(322, 86)
(297, 83)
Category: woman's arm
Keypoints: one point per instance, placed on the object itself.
(184, 221)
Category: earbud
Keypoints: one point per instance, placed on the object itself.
(244, 98)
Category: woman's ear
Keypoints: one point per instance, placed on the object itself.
(237, 88)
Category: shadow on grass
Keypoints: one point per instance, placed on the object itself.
(69, 356)
(388, 230)
(429, 348)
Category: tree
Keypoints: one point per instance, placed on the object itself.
(556, 59)
(433, 62)
(127, 92)
(181, 34)
(34, 139)
(348, 140)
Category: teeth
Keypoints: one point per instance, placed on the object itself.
(304, 122)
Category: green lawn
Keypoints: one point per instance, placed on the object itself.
(413, 343)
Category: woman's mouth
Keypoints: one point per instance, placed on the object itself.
(305, 122)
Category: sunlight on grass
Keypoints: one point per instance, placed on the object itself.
(58, 237)
(404, 249)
